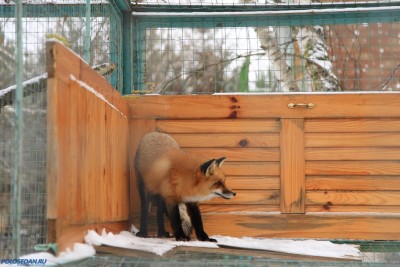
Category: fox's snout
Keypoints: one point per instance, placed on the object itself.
(227, 194)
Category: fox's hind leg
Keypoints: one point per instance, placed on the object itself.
(144, 208)
(161, 209)
(176, 223)
(197, 222)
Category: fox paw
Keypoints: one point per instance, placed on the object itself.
(182, 238)
(204, 237)
(141, 234)
(164, 234)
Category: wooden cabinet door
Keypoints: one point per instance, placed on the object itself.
(303, 165)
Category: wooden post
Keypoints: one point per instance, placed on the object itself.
(292, 166)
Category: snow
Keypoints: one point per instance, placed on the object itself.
(125, 239)
(263, 13)
(97, 94)
(160, 246)
(7, 90)
(79, 252)
(27, 82)
(298, 247)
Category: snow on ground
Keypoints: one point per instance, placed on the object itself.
(127, 240)
(298, 247)
(160, 246)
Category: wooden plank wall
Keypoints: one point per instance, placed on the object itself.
(353, 165)
(88, 168)
(252, 151)
(327, 172)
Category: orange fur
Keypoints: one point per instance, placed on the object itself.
(175, 174)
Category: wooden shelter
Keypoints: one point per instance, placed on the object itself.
(323, 165)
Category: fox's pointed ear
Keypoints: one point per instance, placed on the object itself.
(207, 167)
(220, 161)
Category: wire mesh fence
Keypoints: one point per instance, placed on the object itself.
(360, 56)
(33, 174)
(64, 21)
(186, 53)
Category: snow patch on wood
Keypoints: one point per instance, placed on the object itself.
(160, 246)
(298, 247)
(97, 94)
(125, 239)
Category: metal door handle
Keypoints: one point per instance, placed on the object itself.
(301, 105)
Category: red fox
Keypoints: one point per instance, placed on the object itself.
(173, 177)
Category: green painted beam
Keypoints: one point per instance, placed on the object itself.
(123, 5)
(230, 19)
(127, 43)
(45, 11)
(54, 10)
(257, 7)
(138, 57)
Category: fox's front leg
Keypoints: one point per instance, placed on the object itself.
(176, 223)
(197, 222)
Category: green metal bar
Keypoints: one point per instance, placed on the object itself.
(116, 55)
(263, 19)
(123, 5)
(259, 7)
(127, 53)
(36, 10)
(87, 32)
(17, 212)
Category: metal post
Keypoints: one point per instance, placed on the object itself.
(87, 32)
(127, 52)
(17, 212)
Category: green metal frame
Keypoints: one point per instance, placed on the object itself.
(144, 17)
(259, 7)
(267, 18)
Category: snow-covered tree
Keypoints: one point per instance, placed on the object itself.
(314, 51)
